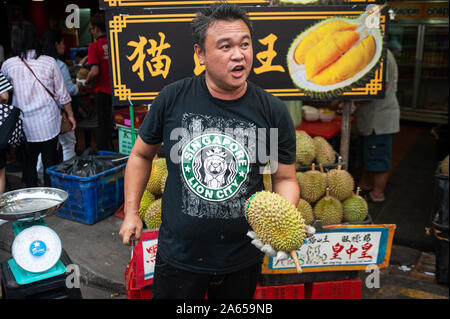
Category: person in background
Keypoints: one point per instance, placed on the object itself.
(98, 76)
(5, 87)
(40, 115)
(377, 121)
(203, 247)
(53, 45)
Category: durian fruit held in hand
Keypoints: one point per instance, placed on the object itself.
(324, 151)
(341, 183)
(158, 171)
(152, 217)
(329, 210)
(275, 220)
(312, 185)
(444, 166)
(146, 200)
(355, 208)
(305, 151)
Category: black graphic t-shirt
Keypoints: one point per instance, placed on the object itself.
(215, 152)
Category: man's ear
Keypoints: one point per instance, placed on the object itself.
(200, 54)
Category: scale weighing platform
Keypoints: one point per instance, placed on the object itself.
(38, 261)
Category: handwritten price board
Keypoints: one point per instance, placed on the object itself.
(145, 254)
(339, 247)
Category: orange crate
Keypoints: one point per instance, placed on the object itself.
(296, 291)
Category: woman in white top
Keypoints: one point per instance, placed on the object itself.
(53, 45)
(41, 116)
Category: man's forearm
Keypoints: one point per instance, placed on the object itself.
(289, 189)
(137, 173)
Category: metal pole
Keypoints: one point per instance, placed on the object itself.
(345, 132)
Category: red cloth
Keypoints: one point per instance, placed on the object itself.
(325, 129)
(98, 55)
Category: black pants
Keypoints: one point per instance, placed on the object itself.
(174, 283)
(103, 134)
(50, 157)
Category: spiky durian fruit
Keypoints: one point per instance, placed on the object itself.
(163, 181)
(444, 166)
(306, 211)
(314, 37)
(299, 175)
(276, 221)
(146, 200)
(349, 64)
(355, 208)
(158, 170)
(341, 183)
(305, 151)
(324, 151)
(329, 210)
(312, 185)
(152, 217)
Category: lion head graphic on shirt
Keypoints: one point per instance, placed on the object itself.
(213, 169)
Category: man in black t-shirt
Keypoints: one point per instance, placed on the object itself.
(219, 130)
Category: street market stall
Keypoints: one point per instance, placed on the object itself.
(148, 42)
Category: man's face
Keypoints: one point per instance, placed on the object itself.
(228, 57)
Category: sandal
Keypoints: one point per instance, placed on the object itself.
(369, 198)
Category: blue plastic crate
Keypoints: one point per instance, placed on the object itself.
(93, 198)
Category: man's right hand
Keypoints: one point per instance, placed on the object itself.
(131, 228)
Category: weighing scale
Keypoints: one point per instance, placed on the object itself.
(36, 249)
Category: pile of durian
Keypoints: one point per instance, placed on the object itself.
(150, 205)
(328, 196)
(313, 150)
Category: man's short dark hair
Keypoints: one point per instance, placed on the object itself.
(98, 20)
(217, 11)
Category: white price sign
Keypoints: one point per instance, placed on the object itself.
(340, 247)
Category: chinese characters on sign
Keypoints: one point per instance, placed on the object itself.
(157, 64)
(335, 249)
(149, 53)
(149, 248)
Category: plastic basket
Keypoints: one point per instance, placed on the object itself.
(93, 198)
(124, 134)
(280, 292)
(130, 283)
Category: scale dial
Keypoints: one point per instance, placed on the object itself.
(36, 249)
